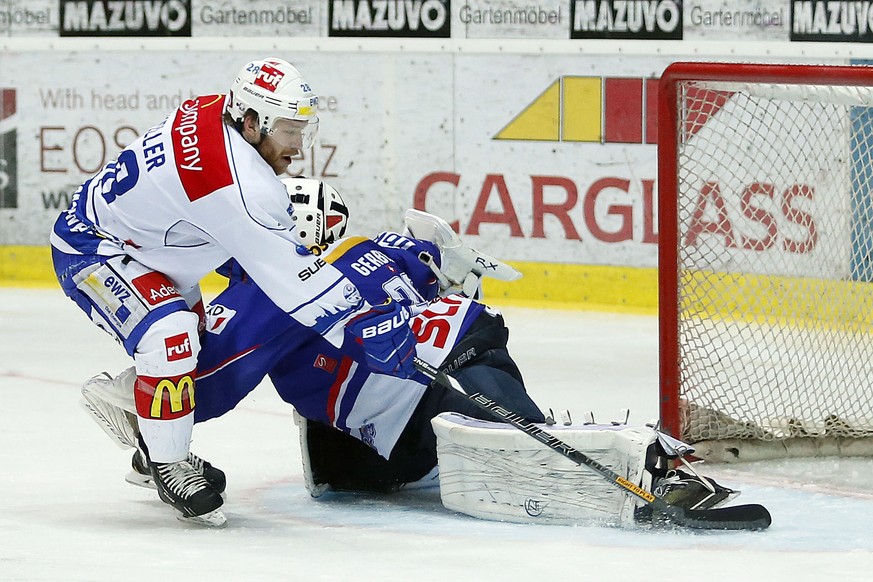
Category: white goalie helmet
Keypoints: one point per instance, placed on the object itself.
(318, 211)
(274, 89)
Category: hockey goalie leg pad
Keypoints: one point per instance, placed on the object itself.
(494, 471)
(109, 402)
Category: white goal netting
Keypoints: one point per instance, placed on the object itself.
(774, 261)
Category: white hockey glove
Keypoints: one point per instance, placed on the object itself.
(462, 267)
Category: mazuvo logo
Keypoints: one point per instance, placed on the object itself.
(831, 21)
(639, 19)
(125, 17)
(391, 18)
(8, 151)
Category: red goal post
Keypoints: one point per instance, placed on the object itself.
(765, 181)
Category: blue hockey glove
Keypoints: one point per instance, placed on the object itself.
(387, 339)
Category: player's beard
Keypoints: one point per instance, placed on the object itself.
(277, 157)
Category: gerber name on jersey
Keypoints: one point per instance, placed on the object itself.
(398, 18)
(831, 21)
(643, 19)
(125, 18)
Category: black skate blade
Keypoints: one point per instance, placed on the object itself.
(752, 517)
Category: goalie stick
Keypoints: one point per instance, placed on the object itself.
(739, 517)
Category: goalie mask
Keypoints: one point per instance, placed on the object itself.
(318, 211)
(275, 90)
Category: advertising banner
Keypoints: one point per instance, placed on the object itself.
(112, 18)
(571, 20)
(373, 18)
(544, 158)
(627, 19)
(831, 21)
(541, 157)
(245, 18)
(754, 20)
(22, 18)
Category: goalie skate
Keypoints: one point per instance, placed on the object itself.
(691, 491)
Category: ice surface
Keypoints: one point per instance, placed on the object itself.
(67, 514)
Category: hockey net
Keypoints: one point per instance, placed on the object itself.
(766, 259)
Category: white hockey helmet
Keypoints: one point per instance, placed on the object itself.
(318, 211)
(274, 89)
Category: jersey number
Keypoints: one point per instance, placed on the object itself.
(117, 177)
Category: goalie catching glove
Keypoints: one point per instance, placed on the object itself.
(388, 342)
(460, 267)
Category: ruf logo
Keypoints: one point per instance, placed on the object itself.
(178, 347)
(268, 77)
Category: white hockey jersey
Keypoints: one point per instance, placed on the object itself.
(188, 195)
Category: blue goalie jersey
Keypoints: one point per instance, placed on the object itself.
(248, 338)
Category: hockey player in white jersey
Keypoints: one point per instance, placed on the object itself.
(197, 189)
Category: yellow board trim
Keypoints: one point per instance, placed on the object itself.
(26, 266)
(31, 267)
(776, 299)
(544, 285)
(570, 286)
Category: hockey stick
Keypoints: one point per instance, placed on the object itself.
(739, 517)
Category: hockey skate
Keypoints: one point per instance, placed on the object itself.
(686, 491)
(191, 486)
(692, 491)
(141, 476)
(183, 487)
